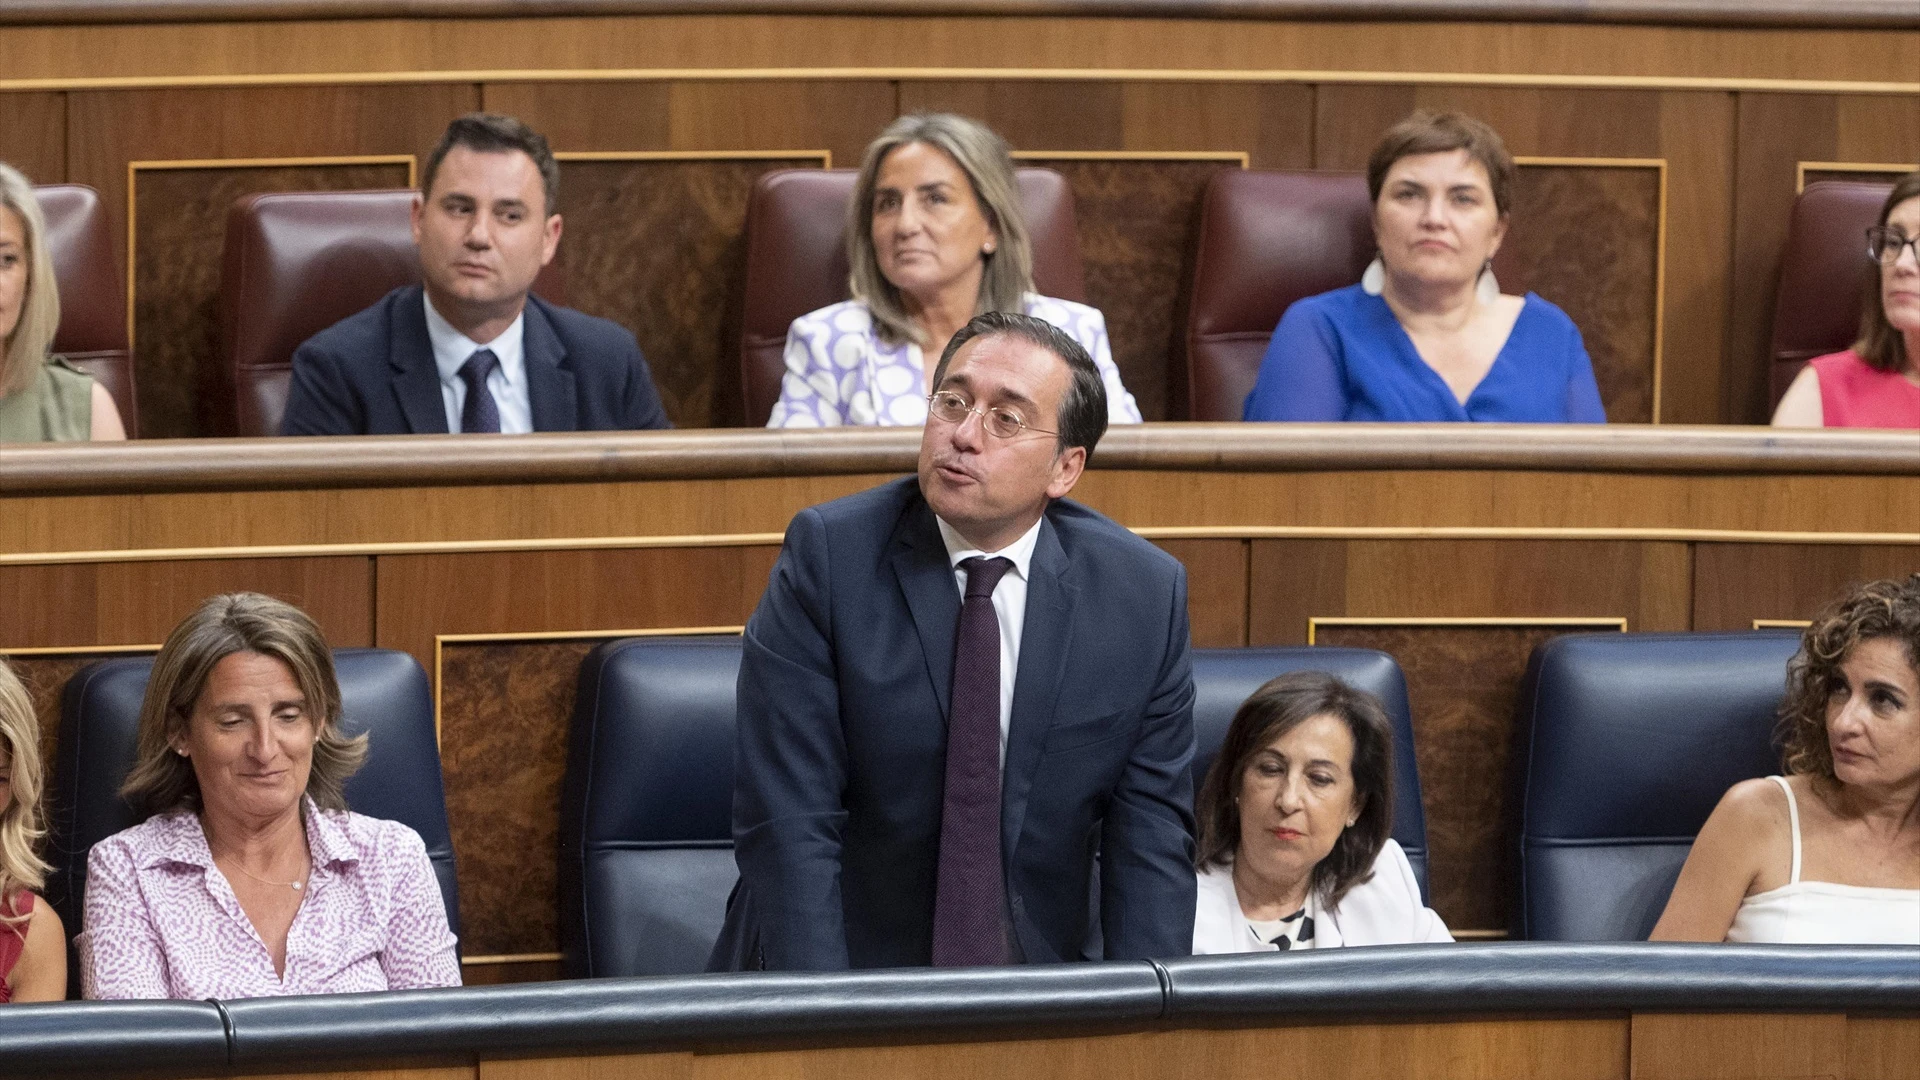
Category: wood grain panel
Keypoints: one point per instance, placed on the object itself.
(659, 247)
(1735, 584)
(138, 603)
(1697, 1046)
(1289, 582)
(774, 114)
(1031, 116)
(179, 238)
(1272, 123)
(1463, 683)
(1216, 589)
(1645, 583)
(33, 135)
(577, 116)
(1697, 139)
(1883, 1048)
(45, 677)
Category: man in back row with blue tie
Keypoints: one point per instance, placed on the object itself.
(957, 689)
(470, 350)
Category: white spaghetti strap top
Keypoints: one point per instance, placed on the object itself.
(1823, 912)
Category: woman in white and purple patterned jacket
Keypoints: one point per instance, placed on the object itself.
(935, 236)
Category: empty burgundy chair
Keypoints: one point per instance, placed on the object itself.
(93, 298)
(1823, 269)
(296, 263)
(797, 261)
(1266, 240)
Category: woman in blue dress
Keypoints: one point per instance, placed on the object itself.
(1426, 334)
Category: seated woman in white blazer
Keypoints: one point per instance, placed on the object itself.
(1294, 817)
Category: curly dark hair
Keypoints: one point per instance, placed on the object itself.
(1273, 710)
(1878, 609)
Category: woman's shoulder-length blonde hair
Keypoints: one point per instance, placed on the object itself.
(21, 866)
(1879, 609)
(163, 781)
(25, 350)
(984, 157)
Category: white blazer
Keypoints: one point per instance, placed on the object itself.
(1383, 910)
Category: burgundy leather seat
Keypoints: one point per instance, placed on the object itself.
(1823, 269)
(93, 298)
(296, 263)
(1266, 240)
(797, 261)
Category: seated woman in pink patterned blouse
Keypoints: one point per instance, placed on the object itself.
(252, 879)
(936, 234)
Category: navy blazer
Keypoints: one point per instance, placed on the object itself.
(840, 762)
(372, 373)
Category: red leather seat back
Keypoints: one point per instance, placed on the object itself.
(93, 298)
(295, 264)
(797, 261)
(1823, 270)
(1266, 240)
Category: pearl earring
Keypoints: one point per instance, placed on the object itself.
(1487, 290)
(1374, 281)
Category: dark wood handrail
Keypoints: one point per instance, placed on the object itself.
(1900, 14)
(442, 460)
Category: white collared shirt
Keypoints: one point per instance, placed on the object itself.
(452, 349)
(1009, 605)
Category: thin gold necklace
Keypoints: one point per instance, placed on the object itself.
(296, 884)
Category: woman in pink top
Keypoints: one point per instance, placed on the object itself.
(1876, 383)
(252, 879)
(33, 946)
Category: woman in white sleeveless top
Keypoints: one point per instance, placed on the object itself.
(1830, 853)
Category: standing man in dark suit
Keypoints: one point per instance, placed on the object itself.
(469, 349)
(957, 689)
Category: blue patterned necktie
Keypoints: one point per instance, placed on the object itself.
(481, 413)
(970, 897)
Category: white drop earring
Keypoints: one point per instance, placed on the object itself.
(1487, 290)
(1374, 281)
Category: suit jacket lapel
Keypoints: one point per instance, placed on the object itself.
(1046, 640)
(416, 379)
(920, 564)
(550, 387)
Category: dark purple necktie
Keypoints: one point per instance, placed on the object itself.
(481, 412)
(969, 904)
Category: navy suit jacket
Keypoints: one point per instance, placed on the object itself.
(372, 373)
(840, 762)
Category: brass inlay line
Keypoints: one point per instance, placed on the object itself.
(77, 650)
(1782, 624)
(1659, 165)
(825, 157)
(1238, 157)
(133, 179)
(1314, 622)
(441, 641)
(512, 958)
(972, 74)
(1802, 168)
(1150, 532)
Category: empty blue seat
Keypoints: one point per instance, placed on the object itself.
(1629, 740)
(382, 692)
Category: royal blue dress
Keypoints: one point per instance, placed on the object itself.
(1342, 355)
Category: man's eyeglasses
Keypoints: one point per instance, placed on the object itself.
(1000, 421)
(1884, 245)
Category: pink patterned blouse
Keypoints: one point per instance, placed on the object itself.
(162, 921)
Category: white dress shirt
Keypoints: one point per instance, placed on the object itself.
(1385, 909)
(452, 349)
(1009, 605)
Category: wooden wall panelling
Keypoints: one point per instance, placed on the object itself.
(107, 129)
(1870, 172)
(176, 245)
(1697, 1046)
(33, 135)
(658, 244)
(1735, 584)
(505, 702)
(1216, 589)
(1776, 133)
(1697, 141)
(44, 672)
(1883, 1048)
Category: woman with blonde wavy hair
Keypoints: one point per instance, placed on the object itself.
(33, 945)
(42, 398)
(1829, 853)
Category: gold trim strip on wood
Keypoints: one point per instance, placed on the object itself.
(1782, 624)
(1149, 532)
(133, 217)
(1239, 157)
(1314, 622)
(512, 958)
(1480, 935)
(1801, 168)
(825, 157)
(78, 650)
(441, 641)
(971, 74)
(1659, 253)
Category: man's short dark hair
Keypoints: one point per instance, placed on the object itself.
(492, 133)
(1083, 409)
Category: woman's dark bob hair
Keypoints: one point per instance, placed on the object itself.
(1881, 346)
(1878, 609)
(1275, 709)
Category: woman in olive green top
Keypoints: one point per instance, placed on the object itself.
(41, 398)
